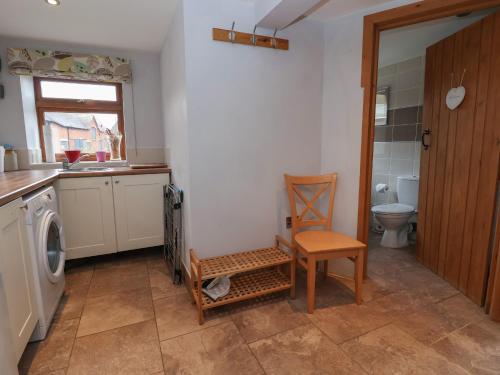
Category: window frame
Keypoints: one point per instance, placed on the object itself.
(77, 106)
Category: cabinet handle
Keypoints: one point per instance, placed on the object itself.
(106, 183)
(117, 182)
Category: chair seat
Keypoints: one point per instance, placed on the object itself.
(319, 241)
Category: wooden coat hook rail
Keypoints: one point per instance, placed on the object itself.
(232, 36)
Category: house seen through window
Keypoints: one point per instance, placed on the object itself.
(78, 115)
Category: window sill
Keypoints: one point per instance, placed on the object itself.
(86, 164)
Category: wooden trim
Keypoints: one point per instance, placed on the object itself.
(74, 106)
(374, 24)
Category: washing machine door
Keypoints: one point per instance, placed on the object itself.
(51, 246)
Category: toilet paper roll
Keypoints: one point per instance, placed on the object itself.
(381, 188)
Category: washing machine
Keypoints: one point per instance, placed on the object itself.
(46, 241)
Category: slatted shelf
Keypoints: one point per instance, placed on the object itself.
(253, 274)
(243, 262)
(250, 285)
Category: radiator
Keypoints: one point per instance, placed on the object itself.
(174, 235)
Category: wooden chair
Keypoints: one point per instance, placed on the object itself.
(324, 244)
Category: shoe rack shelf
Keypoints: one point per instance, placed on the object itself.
(255, 273)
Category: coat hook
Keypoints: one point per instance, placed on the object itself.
(232, 33)
(274, 42)
(254, 37)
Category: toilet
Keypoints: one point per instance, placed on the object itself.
(395, 217)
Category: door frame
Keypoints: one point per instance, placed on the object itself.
(374, 24)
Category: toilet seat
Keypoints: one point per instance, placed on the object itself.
(393, 208)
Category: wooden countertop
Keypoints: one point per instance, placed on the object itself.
(18, 183)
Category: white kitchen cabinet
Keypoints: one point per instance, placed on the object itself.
(87, 212)
(139, 210)
(17, 274)
(103, 215)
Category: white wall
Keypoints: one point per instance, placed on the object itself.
(174, 104)
(253, 114)
(142, 96)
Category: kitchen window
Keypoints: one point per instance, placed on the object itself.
(78, 115)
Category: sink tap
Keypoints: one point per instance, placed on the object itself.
(67, 165)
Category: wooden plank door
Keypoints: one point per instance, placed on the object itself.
(459, 171)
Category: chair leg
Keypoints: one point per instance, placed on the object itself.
(325, 269)
(359, 276)
(311, 283)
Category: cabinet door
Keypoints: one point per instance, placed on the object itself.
(86, 208)
(17, 275)
(139, 210)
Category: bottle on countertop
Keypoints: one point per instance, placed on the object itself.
(10, 159)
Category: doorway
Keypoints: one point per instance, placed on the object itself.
(379, 187)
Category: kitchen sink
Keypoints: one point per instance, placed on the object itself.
(88, 169)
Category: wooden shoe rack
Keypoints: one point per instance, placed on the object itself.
(255, 273)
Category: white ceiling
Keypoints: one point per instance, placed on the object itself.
(338, 8)
(124, 24)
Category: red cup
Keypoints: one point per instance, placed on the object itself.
(72, 155)
(100, 156)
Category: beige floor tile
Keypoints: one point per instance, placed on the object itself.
(475, 347)
(425, 284)
(72, 302)
(79, 276)
(388, 350)
(343, 323)
(374, 286)
(400, 304)
(303, 350)
(53, 353)
(460, 306)
(217, 350)
(430, 323)
(119, 278)
(128, 350)
(177, 316)
(266, 320)
(115, 310)
(329, 293)
(161, 282)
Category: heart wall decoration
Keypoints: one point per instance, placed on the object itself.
(456, 95)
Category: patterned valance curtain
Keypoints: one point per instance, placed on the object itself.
(57, 64)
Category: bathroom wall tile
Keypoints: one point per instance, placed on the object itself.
(408, 80)
(412, 64)
(401, 167)
(387, 70)
(416, 167)
(406, 116)
(381, 166)
(418, 150)
(420, 113)
(383, 133)
(382, 150)
(419, 132)
(388, 80)
(380, 179)
(408, 98)
(390, 116)
(392, 182)
(402, 150)
(405, 133)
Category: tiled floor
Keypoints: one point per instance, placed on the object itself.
(122, 315)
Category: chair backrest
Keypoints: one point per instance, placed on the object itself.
(320, 185)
